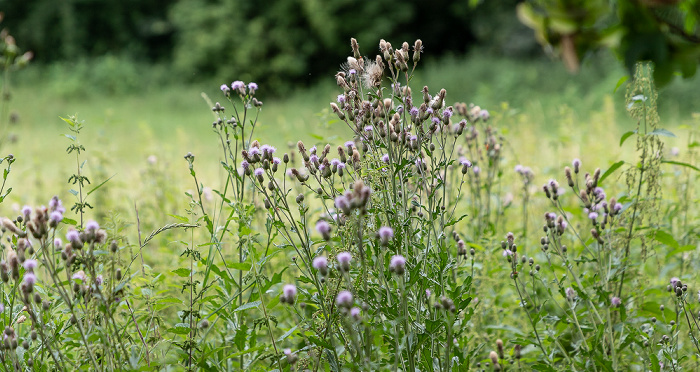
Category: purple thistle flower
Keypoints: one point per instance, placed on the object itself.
(238, 85)
(570, 293)
(385, 158)
(225, 88)
(341, 166)
(447, 114)
(435, 120)
(99, 280)
(593, 215)
(352, 71)
(30, 265)
(397, 264)
(254, 151)
(313, 158)
(252, 87)
(268, 149)
(73, 236)
(56, 205)
(320, 263)
(413, 111)
(335, 162)
(341, 98)
(519, 169)
(29, 279)
(289, 290)
(551, 216)
(429, 111)
(56, 217)
(484, 114)
(245, 165)
(616, 301)
(92, 226)
(464, 161)
(369, 128)
(258, 172)
(342, 203)
(26, 212)
(476, 170)
(80, 275)
(344, 260)
(350, 144)
(617, 207)
(58, 243)
(385, 233)
(344, 299)
(576, 163)
(324, 229)
(355, 313)
(674, 280)
(399, 109)
(276, 161)
(507, 252)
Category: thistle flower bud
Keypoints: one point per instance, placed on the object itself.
(10, 226)
(397, 265)
(417, 49)
(385, 234)
(344, 259)
(324, 229)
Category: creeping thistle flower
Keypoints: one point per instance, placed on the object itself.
(570, 293)
(320, 263)
(289, 293)
(344, 299)
(252, 87)
(238, 86)
(324, 229)
(577, 165)
(385, 234)
(355, 314)
(344, 259)
(616, 301)
(397, 264)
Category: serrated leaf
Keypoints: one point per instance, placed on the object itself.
(180, 329)
(665, 238)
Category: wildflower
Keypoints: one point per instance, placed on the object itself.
(320, 263)
(593, 216)
(225, 89)
(476, 171)
(99, 280)
(385, 233)
(55, 218)
(289, 292)
(342, 203)
(413, 111)
(252, 87)
(616, 301)
(617, 208)
(519, 169)
(29, 281)
(570, 293)
(397, 264)
(484, 115)
(80, 275)
(55, 205)
(350, 145)
(674, 281)
(73, 237)
(26, 212)
(344, 299)
(577, 165)
(324, 229)
(341, 98)
(239, 86)
(507, 252)
(291, 358)
(355, 313)
(92, 226)
(385, 158)
(58, 243)
(30, 265)
(344, 261)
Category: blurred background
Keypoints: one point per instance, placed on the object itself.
(135, 71)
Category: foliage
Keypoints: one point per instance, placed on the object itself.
(383, 252)
(666, 33)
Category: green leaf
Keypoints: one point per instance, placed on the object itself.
(661, 132)
(665, 238)
(180, 329)
(288, 333)
(183, 219)
(247, 306)
(681, 164)
(69, 221)
(243, 266)
(685, 248)
(100, 185)
(626, 136)
(182, 272)
(620, 82)
(610, 171)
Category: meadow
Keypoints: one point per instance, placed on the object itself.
(425, 253)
